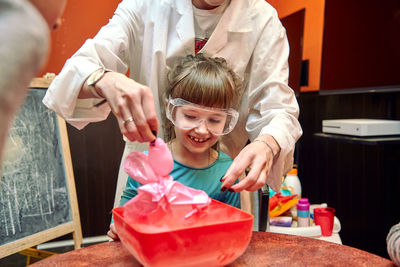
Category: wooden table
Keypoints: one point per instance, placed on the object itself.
(265, 249)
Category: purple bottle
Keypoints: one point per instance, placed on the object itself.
(303, 212)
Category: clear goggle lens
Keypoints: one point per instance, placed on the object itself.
(186, 115)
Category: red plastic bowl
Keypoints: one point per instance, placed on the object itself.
(215, 238)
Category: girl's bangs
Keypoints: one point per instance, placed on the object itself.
(205, 90)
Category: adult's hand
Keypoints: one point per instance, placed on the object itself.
(258, 156)
(132, 104)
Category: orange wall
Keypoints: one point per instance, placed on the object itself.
(81, 20)
(313, 34)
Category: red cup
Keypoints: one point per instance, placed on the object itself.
(324, 218)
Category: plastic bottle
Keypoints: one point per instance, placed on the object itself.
(303, 212)
(292, 181)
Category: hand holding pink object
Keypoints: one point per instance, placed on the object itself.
(159, 189)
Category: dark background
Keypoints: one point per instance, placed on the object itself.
(361, 44)
(359, 79)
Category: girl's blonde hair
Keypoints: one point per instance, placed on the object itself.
(204, 81)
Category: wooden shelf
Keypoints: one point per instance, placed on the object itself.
(42, 82)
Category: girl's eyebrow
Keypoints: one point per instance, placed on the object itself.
(200, 110)
(219, 114)
(187, 108)
(209, 111)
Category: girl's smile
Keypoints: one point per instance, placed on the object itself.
(193, 147)
(198, 140)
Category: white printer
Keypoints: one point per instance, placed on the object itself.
(361, 127)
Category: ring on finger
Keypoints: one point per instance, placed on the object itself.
(127, 120)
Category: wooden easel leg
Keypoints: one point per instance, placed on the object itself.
(77, 236)
(33, 253)
(28, 260)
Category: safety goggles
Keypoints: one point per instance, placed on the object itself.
(186, 115)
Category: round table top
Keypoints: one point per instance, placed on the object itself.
(265, 249)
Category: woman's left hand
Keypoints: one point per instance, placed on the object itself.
(258, 156)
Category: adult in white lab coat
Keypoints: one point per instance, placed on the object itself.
(24, 45)
(148, 37)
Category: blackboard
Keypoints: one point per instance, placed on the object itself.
(37, 193)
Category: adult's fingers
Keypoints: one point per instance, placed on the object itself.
(140, 109)
(239, 165)
(255, 179)
(150, 112)
(132, 104)
(252, 156)
(260, 182)
(126, 123)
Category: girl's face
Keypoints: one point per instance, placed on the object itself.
(197, 140)
(198, 127)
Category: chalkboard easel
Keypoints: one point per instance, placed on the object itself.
(38, 200)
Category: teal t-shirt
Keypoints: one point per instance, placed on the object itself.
(206, 179)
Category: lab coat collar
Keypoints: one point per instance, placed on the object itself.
(181, 7)
(237, 16)
(184, 26)
(236, 19)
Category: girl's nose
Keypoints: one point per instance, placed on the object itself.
(201, 128)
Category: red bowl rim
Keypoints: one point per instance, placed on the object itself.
(117, 214)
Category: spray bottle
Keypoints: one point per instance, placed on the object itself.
(293, 183)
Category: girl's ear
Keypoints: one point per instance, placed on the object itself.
(165, 103)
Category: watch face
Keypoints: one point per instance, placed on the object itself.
(95, 76)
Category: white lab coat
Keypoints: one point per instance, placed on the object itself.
(149, 36)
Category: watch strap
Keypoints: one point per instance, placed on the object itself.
(95, 77)
(94, 92)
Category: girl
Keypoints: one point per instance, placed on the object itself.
(200, 98)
